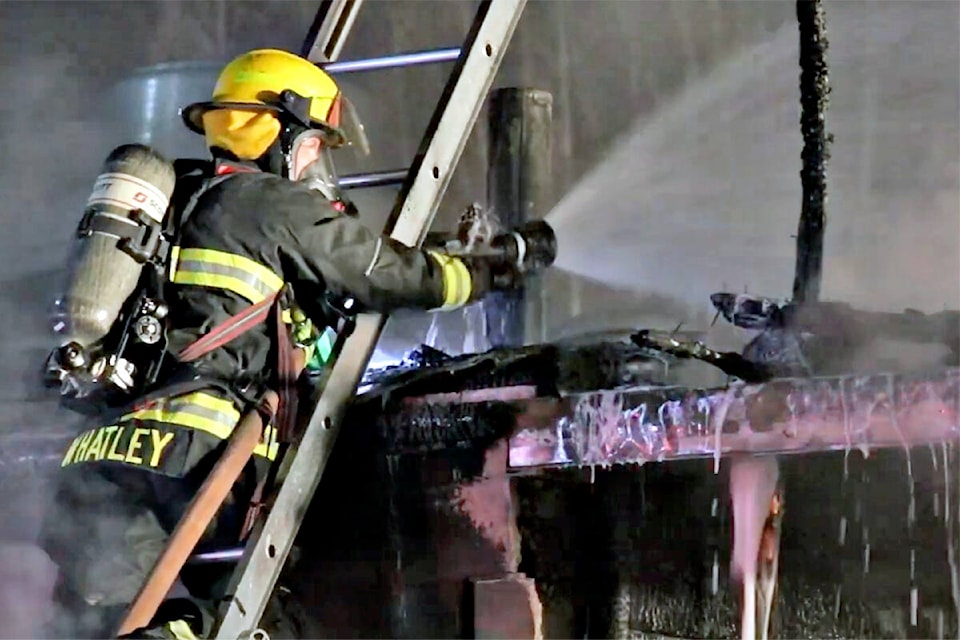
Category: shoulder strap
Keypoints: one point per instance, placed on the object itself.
(233, 327)
(191, 178)
(180, 219)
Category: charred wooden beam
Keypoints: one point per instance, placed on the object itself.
(781, 416)
(814, 91)
(831, 318)
(796, 415)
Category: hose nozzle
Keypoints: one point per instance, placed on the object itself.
(531, 247)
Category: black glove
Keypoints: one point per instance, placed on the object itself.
(492, 273)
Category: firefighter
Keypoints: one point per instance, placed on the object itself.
(263, 221)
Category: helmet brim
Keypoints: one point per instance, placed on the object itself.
(192, 116)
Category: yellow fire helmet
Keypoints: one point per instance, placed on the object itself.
(259, 92)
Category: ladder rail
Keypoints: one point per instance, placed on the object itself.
(329, 30)
(443, 143)
(440, 151)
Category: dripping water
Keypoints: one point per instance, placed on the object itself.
(912, 504)
(715, 569)
(949, 531)
(847, 433)
(715, 573)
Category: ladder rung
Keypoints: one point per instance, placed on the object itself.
(409, 59)
(375, 179)
(220, 555)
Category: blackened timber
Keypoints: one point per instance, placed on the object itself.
(518, 181)
(814, 92)
(549, 369)
(633, 426)
(731, 363)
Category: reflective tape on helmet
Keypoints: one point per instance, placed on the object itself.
(221, 270)
(457, 281)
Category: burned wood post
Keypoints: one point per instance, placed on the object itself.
(814, 92)
(518, 181)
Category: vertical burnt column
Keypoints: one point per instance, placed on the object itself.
(814, 92)
(518, 181)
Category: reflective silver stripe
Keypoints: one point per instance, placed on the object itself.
(201, 411)
(376, 257)
(222, 270)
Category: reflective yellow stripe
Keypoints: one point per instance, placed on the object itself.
(221, 270)
(174, 259)
(180, 630)
(457, 282)
(238, 287)
(205, 412)
(199, 410)
(213, 403)
(268, 446)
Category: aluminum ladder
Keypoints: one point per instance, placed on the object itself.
(423, 187)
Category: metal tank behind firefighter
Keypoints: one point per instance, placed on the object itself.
(119, 235)
(266, 267)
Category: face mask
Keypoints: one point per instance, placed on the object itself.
(321, 176)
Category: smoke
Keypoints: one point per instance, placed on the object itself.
(27, 579)
(54, 144)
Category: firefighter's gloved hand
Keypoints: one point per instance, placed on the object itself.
(505, 277)
(492, 273)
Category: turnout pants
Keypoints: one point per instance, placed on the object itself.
(122, 491)
(106, 531)
(123, 487)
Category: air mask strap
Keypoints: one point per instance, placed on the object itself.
(290, 138)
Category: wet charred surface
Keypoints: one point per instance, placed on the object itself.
(637, 425)
(796, 415)
(620, 546)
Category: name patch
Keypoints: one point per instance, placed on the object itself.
(129, 444)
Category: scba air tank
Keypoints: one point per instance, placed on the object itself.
(120, 231)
